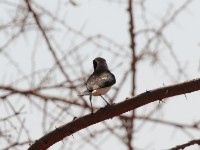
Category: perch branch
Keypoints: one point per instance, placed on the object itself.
(111, 111)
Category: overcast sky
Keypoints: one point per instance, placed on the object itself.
(111, 20)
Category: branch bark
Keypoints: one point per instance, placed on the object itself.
(114, 110)
(183, 146)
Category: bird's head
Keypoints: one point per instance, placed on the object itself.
(99, 64)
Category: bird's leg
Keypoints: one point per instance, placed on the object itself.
(91, 104)
(105, 100)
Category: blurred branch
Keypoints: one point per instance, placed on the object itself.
(170, 123)
(35, 92)
(164, 25)
(36, 17)
(16, 144)
(11, 116)
(115, 110)
(130, 122)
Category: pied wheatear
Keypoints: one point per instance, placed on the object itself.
(100, 81)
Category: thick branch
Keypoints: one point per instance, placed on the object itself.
(183, 146)
(114, 110)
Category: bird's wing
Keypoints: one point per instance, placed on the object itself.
(107, 80)
(96, 81)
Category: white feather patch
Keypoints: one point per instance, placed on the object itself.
(101, 91)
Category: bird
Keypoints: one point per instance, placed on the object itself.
(100, 81)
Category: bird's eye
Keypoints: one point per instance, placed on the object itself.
(94, 64)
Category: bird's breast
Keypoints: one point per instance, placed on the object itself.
(100, 91)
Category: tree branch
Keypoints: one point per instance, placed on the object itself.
(183, 146)
(114, 110)
(36, 17)
(130, 126)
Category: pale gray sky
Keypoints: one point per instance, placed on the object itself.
(111, 20)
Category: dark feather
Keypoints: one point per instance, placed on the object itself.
(100, 79)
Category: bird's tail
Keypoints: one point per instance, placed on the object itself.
(85, 93)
